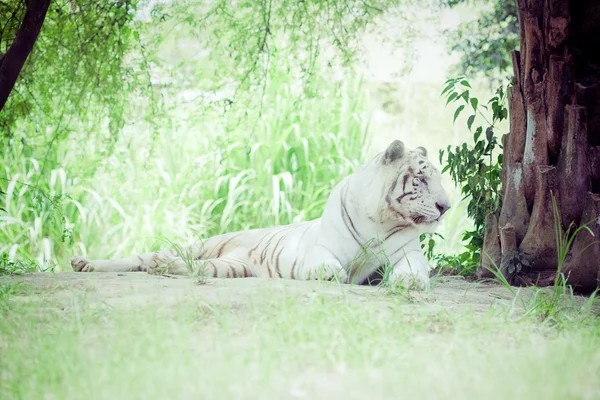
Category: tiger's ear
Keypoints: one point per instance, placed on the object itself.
(393, 152)
(422, 150)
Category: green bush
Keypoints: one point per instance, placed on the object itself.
(475, 167)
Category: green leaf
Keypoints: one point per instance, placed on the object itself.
(489, 133)
(470, 121)
(495, 109)
(474, 103)
(458, 111)
(465, 83)
(451, 97)
(465, 95)
(477, 134)
(447, 88)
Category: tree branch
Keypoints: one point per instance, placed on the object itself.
(14, 58)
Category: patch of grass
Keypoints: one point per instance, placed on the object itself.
(17, 267)
(286, 345)
(557, 303)
(6, 291)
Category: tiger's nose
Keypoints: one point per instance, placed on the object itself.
(442, 207)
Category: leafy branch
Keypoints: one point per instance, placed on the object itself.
(476, 166)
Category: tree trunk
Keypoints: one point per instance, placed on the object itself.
(552, 153)
(13, 60)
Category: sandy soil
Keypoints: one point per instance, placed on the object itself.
(131, 290)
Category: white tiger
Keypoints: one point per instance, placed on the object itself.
(373, 219)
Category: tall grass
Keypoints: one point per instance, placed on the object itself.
(199, 178)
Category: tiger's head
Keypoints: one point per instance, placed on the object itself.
(413, 187)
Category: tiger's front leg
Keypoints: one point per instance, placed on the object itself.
(328, 271)
(411, 271)
(323, 266)
(153, 263)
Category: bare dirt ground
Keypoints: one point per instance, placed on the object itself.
(140, 336)
(132, 290)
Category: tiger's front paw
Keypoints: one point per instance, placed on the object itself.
(81, 264)
(414, 281)
(329, 272)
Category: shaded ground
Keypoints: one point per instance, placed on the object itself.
(131, 290)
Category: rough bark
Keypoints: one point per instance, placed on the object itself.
(573, 168)
(583, 266)
(514, 210)
(13, 60)
(490, 254)
(540, 240)
(553, 147)
(533, 69)
(587, 96)
(516, 109)
(508, 242)
(560, 91)
(595, 168)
